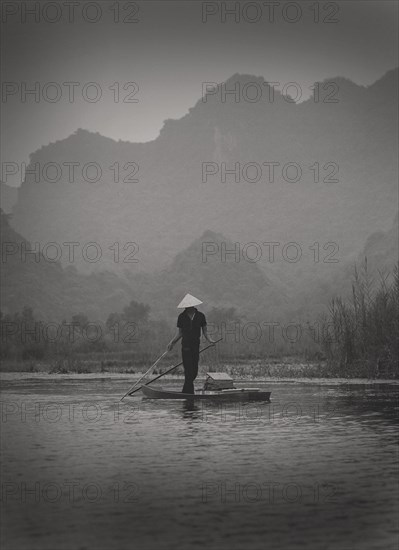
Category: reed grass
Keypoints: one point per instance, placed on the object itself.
(364, 330)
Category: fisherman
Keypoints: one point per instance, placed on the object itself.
(189, 325)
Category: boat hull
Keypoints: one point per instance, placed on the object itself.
(244, 394)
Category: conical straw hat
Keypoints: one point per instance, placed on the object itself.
(189, 301)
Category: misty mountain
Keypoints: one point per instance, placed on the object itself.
(54, 292)
(170, 206)
(212, 267)
(154, 200)
(8, 197)
(57, 293)
(221, 280)
(379, 254)
(381, 248)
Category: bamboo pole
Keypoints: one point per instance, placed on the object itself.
(130, 392)
(145, 374)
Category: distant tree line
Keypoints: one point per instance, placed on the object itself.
(357, 338)
(132, 331)
(25, 337)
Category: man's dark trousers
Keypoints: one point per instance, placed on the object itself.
(190, 358)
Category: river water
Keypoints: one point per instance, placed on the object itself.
(314, 469)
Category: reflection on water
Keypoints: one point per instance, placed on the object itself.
(314, 469)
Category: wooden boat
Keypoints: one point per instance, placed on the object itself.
(242, 394)
(217, 383)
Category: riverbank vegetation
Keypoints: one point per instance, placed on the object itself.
(355, 338)
(365, 329)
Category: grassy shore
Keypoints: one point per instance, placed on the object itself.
(284, 367)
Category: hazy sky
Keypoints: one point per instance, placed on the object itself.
(168, 53)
